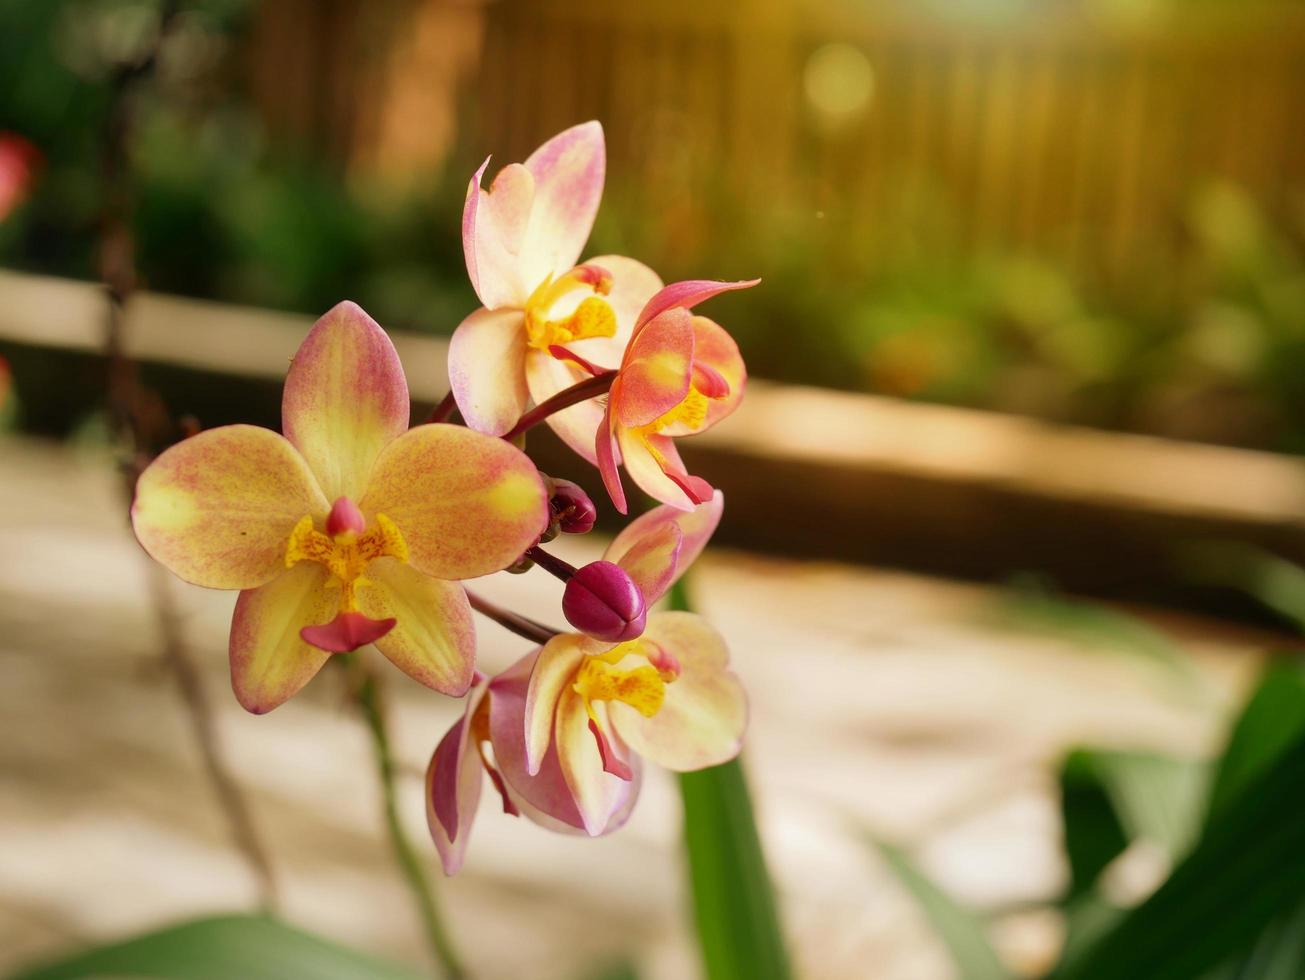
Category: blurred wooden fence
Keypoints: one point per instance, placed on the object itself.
(1053, 131)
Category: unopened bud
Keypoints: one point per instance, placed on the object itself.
(571, 507)
(603, 601)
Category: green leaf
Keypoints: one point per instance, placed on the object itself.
(1246, 871)
(1094, 834)
(962, 932)
(222, 948)
(733, 903)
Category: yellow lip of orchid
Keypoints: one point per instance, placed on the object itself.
(415, 510)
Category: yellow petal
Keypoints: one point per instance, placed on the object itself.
(553, 673)
(218, 508)
(345, 398)
(467, 504)
(270, 662)
(598, 794)
(433, 640)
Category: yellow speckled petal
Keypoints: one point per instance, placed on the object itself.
(345, 398)
(467, 504)
(433, 640)
(270, 661)
(218, 508)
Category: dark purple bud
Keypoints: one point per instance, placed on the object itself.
(574, 512)
(603, 601)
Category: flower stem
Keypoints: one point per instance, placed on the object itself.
(577, 393)
(367, 692)
(551, 563)
(442, 411)
(512, 622)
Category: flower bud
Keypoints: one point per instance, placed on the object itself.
(572, 509)
(603, 601)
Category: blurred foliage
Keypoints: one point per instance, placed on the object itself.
(1203, 337)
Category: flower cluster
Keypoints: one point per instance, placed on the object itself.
(352, 528)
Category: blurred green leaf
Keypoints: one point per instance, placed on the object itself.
(1274, 582)
(225, 947)
(962, 932)
(1094, 834)
(1247, 870)
(733, 902)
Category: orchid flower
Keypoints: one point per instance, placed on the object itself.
(546, 321)
(349, 529)
(568, 723)
(680, 375)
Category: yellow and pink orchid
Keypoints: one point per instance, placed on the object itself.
(679, 375)
(350, 529)
(568, 723)
(543, 316)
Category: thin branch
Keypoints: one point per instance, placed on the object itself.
(369, 697)
(577, 393)
(444, 410)
(551, 563)
(513, 622)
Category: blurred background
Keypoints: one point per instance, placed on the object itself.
(1018, 472)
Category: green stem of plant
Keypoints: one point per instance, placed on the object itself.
(367, 692)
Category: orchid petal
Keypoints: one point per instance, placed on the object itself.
(466, 504)
(696, 528)
(655, 374)
(568, 173)
(270, 661)
(345, 398)
(687, 295)
(578, 425)
(606, 451)
(714, 350)
(597, 793)
(218, 508)
(705, 712)
(346, 632)
(546, 791)
(554, 671)
(654, 561)
(654, 465)
(494, 225)
(433, 640)
(487, 362)
(453, 783)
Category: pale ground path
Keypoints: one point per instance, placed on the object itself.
(903, 702)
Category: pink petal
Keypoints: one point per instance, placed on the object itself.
(554, 670)
(453, 781)
(714, 350)
(434, 639)
(218, 508)
(568, 172)
(345, 399)
(347, 631)
(606, 450)
(653, 562)
(696, 528)
(597, 793)
(702, 721)
(686, 294)
(666, 484)
(270, 661)
(657, 369)
(466, 504)
(487, 369)
(494, 225)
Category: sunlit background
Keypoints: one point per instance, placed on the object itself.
(1017, 473)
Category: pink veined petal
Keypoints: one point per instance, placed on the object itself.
(553, 672)
(487, 369)
(606, 452)
(345, 399)
(434, 639)
(702, 721)
(218, 508)
(687, 294)
(568, 172)
(715, 350)
(653, 562)
(453, 784)
(670, 483)
(597, 792)
(578, 425)
(494, 227)
(270, 661)
(466, 504)
(655, 374)
(696, 526)
(546, 791)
